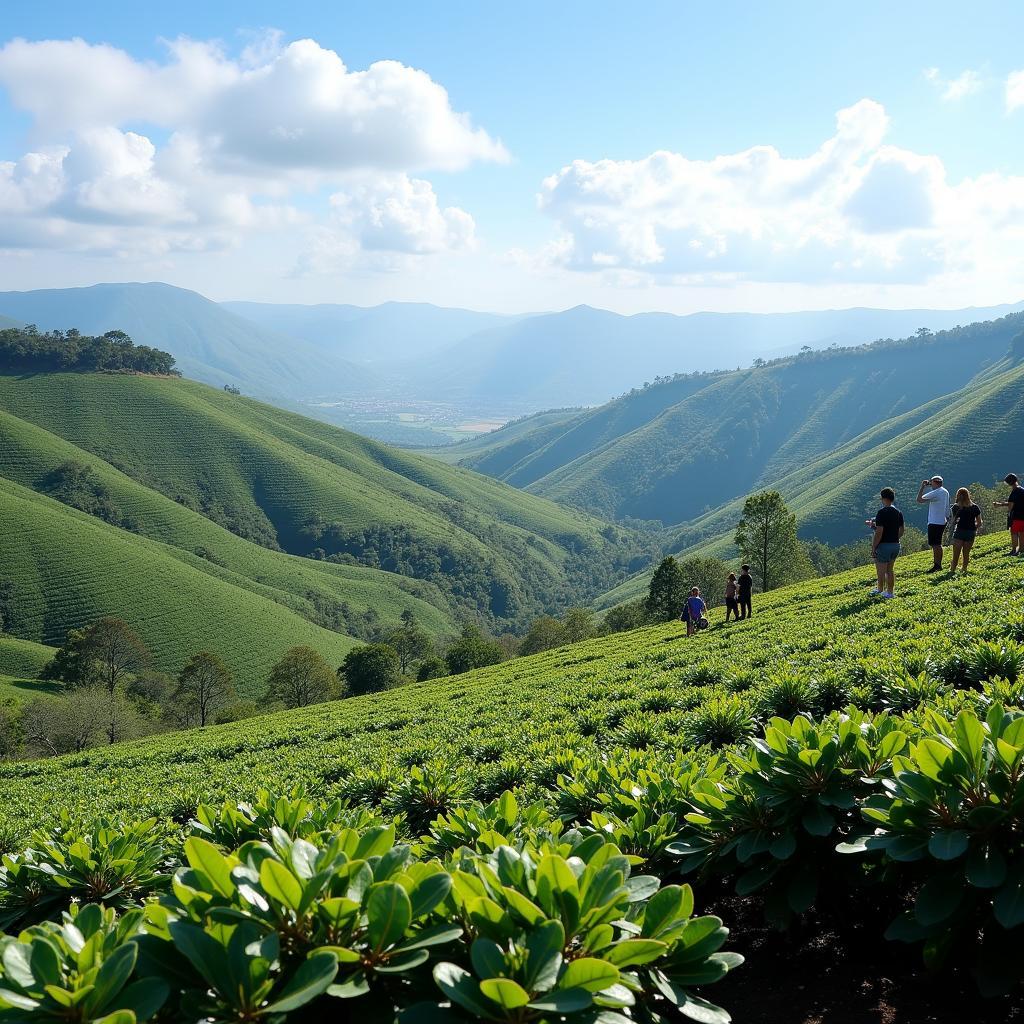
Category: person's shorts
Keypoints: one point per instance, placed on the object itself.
(887, 552)
(1017, 526)
(965, 535)
(935, 532)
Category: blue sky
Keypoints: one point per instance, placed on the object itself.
(919, 200)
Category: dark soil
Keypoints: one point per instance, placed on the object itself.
(820, 975)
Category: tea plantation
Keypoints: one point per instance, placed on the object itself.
(515, 844)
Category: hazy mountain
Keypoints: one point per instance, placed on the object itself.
(680, 447)
(210, 343)
(584, 356)
(6, 321)
(391, 333)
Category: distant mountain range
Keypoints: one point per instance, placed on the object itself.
(381, 360)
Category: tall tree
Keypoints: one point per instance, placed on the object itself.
(411, 643)
(115, 650)
(301, 678)
(204, 684)
(370, 668)
(766, 537)
(667, 591)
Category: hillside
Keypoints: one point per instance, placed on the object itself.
(237, 489)
(591, 777)
(683, 446)
(209, 343)
(523, 722)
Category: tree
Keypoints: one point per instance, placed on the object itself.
(117, 650)
(71, 664)
(473, 650)
(545, 633)
(432, 668)
(707, 573)
(667, 591)
(631, 615)
(301, 678)
(411, 643)
(67, 724)
(204, 684)
(578, 625)
(370, 668)
(766, 537)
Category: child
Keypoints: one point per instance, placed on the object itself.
(694, 611)
(746, 586)
(731, 602)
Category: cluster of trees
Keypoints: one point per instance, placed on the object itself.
(109, 691)
(74, 483)
(29, 349)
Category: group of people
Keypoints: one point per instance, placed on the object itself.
(888, 526)
(738, 592)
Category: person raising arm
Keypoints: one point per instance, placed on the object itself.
(936, 497)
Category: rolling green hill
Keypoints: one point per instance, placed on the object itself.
(683, 446)
(208, 501)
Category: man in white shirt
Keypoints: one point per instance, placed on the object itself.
(937, 500)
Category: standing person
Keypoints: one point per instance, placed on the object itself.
(746, 588)
(968, 523)
(731, 602)
(936, 497)
(694, 611)
(1015, 504)
(885, 544)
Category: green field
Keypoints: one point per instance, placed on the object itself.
(526, 720)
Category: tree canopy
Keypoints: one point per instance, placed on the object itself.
(27, 348)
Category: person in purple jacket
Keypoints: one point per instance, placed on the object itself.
(694, 611)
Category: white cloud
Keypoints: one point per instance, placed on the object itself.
(856, 210)
(1015, 90)
(202, 143)
(387, 219)
(967, 83)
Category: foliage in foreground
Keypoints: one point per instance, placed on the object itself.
(527, 926)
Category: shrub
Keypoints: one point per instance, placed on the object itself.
(720, 722)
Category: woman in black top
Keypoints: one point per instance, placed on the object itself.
(968, 521)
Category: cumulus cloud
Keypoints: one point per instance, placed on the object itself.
(857, 209)
(203, 142)
(967, 83)
(1015, 90)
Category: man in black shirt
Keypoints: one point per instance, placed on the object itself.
(746, 586)
(885, 544)
(1015, 503)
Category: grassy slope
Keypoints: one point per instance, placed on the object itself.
(22, 659)
(68, 569)
(531, 710)
(698, 442)
(969, 436)
(28, 454)
(243, 461)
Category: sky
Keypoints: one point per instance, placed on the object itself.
(518, 157)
